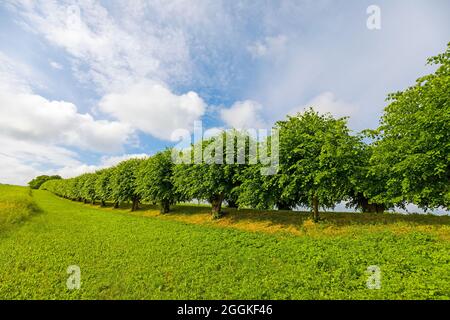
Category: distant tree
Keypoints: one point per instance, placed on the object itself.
(367, 184)
(80, 188)
(317, 156)
(155, 182)
(413, 150)
(88, 187)
(260, 191)
(123, 182)
(103, 189)
(209, 180)
(39, 180)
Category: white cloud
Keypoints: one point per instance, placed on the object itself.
(14, 76)
(105, 162)
(339, 54)
(243, 115)
(109, 161)
(21, 160)
(56, 65)
(124, 57)
(35, 132)
(154, 109)
(110, 52)
(13, 171)
(269, 47)
(327, 102)
(31, 117)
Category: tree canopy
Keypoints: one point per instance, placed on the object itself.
(319, 162)
(413, 146)
(39, 180)
(155, 180)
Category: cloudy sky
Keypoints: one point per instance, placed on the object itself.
(85, 84)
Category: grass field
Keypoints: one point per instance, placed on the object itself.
(16, 206)
(185, 255)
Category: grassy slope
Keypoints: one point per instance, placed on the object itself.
(16, 206)
(137, 257)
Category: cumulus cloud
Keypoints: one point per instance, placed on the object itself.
(35, 132)
(123, 59)
(22, 160)
(56, 65)
(28, 116)
(268, 47)
(110, 52)
(243, 115)
(154, 109)
(327, 102)
(105, 162)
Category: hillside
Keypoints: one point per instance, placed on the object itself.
(244, 255)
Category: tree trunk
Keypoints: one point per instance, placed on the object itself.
(364, 203)
(216, 206)
(135, 204)
(379, 208)
(116, 205)
(366, 206)
(315, 206)
(231, 204)
(102, 203)
(165, 206)
(93, 201)
(85, 201)
(282, 206)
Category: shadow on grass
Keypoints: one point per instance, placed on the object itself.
(295, 218)
(290, 219)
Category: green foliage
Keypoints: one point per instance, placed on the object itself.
(367, 184)
(88, 186)
(103, 188)
(154, 180)
(413, 150)
(321, 163)
(317, 158)
(261, 191)
(39, 180)
(213, 178)
(123, 182)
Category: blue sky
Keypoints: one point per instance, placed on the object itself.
(85, 84)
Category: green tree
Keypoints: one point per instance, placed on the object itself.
(262, 191)
(367, 184)
(212, 178)
(39, 180)
(123, 182)
(413, 150)
(88, 187)
(317, 156)
(103, 188)
(154, 180)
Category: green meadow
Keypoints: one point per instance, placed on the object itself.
(247, 254)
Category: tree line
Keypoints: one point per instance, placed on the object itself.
(321, 163)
